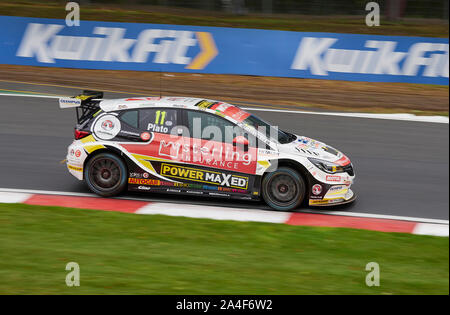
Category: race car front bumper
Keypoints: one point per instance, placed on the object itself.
(348, 197)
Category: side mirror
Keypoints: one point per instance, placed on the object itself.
(241, 142)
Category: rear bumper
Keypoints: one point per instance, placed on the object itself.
(75, 158)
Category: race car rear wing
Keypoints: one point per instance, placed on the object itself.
(85, 104)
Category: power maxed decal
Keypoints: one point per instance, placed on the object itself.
(203, 176)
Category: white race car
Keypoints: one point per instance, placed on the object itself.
(187, 145)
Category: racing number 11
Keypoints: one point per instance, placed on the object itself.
(158, 115)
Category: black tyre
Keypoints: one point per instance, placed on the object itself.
(106, 174)
(283, 189)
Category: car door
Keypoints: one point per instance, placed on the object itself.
(155, 127)
(214, 159)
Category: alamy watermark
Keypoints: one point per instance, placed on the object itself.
(73, 17)
(373, 277)
(73, 277)
(373, 17)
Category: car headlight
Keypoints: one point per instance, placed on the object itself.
(327, 167)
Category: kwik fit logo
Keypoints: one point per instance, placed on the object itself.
(43, 42)
(377, 57)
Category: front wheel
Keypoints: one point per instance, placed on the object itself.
(283, 189)
(106, 174)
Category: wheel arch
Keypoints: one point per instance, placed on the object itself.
(300, 168)
(107, 149)
(123, 180)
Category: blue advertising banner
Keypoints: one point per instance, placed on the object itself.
(196, 49)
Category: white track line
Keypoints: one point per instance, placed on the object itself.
(401, 117)
(431, 229)
(215, 213)
(29, 95)
(14, 197)
(378, 216)
(47, 192)
(276, 213)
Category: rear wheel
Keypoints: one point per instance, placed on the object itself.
(106, 174)
(283, 189)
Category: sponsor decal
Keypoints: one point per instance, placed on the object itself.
(77, 153)
(316, 189)
(232, 190)
(229, 110)
(325, 201)
(75, 168)
(333, 178)
(205, 104)
(144, 188)
(215, 156)
(198, 152)
(144, 181)
(218, 194)
(107, 127)
(336, 188)
(268, 152)
(68, 102)
(130, 133)
(203, 176)
(170, 149)
(139, 175)
(146, 136)
(194, 192)
(206, 187)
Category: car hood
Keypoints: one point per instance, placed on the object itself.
(308, 147)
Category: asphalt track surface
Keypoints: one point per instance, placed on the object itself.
(402, 167)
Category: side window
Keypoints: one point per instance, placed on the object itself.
(130, 117)
(157, 119)
(210, 127)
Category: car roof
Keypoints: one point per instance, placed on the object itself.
(108, 105)
(220, 108)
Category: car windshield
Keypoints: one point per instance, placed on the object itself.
(271, 132)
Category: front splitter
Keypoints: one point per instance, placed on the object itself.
(351, 198)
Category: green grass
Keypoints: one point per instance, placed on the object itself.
(138, 254)
(183, 16)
